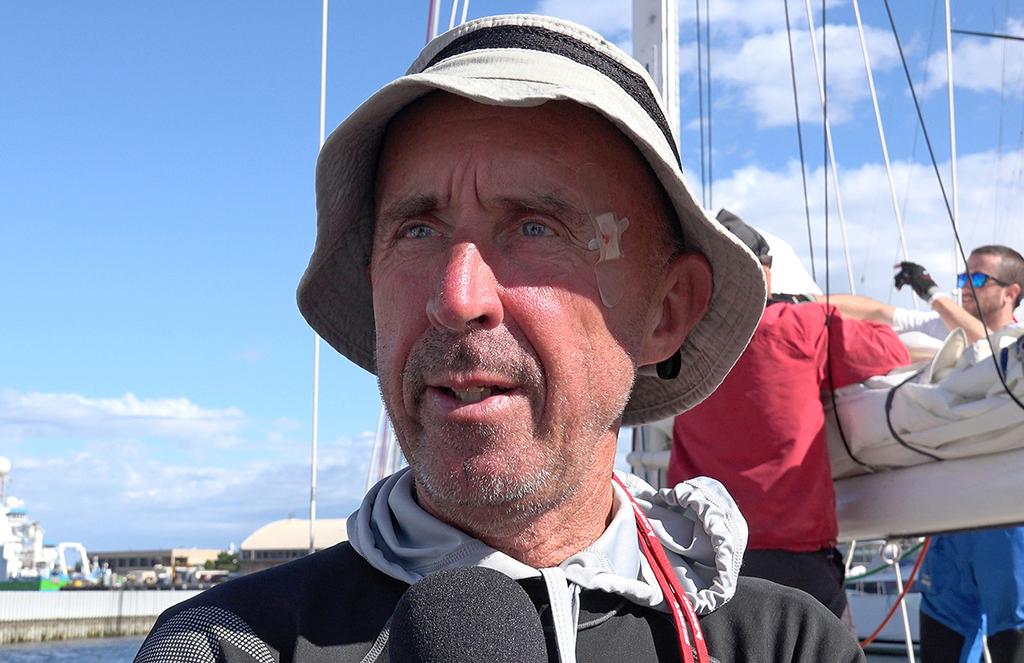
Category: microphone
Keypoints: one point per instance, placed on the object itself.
(467, 615)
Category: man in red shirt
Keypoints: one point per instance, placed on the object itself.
(762, 433)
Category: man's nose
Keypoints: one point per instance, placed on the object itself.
(467, 292)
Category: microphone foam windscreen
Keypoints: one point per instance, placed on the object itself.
(468, 615)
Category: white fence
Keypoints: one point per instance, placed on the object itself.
(28, 606)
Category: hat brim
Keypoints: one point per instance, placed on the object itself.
(335, 295)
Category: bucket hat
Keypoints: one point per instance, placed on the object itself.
(525, 60)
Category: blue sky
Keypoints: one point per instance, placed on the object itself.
(157, 210)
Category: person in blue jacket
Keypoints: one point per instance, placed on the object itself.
(972, 583)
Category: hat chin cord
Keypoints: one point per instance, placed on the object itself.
(666, 369)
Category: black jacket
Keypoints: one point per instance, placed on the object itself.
(332, 606)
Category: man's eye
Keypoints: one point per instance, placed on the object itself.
(418, 231)
(535, 229)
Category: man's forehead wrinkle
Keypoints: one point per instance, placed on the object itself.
(541, 201)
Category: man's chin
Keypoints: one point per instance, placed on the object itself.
(471, 488)
(482, 503)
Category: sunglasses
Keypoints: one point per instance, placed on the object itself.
(978, 279)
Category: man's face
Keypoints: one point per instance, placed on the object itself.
(993, 299)
(504, 374)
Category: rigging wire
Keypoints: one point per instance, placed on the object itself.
(386, 455)
(828, 279)
(917, 129)
(831, 161)
(994, 35)
(316, 337)
(800, 141)
(945, 200)
(711, 153)
(700, 104)
(823, 81)
(999, 142)
(881, 132)
(884, 144)
(435, 18)
(906, 588)
(455, 11)
(1020, 154)
(430, 18)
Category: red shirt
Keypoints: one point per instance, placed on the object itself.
(762, 432)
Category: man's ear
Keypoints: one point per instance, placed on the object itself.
(684, 296)
(1014, 292)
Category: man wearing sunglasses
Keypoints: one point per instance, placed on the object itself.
(996, 273)
(972, 583)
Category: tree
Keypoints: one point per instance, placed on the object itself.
(225, 561)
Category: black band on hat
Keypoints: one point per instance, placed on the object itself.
(548, 41)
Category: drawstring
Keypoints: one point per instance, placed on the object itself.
(683, 616)
(564, 599)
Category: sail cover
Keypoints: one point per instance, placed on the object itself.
(951, 407)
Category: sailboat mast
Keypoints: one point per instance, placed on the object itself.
(656, 47)
(952, 140)
(316, 337)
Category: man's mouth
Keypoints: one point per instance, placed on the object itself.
(474, 394)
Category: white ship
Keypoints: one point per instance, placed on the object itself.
(24, 557)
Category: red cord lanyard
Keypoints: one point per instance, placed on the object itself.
(682, 612)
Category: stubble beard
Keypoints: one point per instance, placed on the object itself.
(477, 495)
(985, 313)
(486, 502)
(481, 481)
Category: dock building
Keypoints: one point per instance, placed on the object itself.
(284, 540)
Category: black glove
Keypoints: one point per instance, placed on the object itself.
(918, 278)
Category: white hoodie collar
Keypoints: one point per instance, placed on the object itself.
(697, 522)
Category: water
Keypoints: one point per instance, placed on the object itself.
(100, 650)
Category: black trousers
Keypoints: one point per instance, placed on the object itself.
(820, 573)
(941, 644)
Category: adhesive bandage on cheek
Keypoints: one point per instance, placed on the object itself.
(608, 229)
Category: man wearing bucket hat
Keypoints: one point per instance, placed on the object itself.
(779, 470)
(505, 239)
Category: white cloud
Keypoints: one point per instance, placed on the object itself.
(123, 496)
(990, 192)
(112, 480)
(759, 73)
(611, 19)
(978, 64)
(34, 415)
(750, 16)
(750, 55)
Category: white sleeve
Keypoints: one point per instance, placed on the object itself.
(928, 322)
